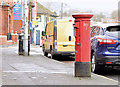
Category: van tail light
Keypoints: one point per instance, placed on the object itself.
(106, 41)
(70, 20)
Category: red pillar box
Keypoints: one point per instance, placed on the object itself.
(82, 45)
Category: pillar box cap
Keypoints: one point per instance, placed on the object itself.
(82, 15)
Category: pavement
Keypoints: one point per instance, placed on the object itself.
(37, 69)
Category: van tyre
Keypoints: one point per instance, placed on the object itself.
(96, 68)
(53, 56)
(45, 54)
(43, 48)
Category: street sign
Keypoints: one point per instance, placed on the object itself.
(17, 12)
(35, 23)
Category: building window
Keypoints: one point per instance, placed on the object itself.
(36, 26)
(9, 37)
(40, 19)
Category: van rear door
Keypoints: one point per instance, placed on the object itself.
(65, 36)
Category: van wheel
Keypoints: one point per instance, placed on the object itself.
(95, 68)
(53, 56)
(43, 48)
(45, 54)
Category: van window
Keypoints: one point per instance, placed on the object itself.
(67, 30)
(49, 29)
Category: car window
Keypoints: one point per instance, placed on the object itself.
(95, 31)
(113, 28)
(101, 31)
(98, 31)
(92, 31)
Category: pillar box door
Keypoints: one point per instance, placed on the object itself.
(82, 45)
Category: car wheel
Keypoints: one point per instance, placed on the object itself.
(95, 68)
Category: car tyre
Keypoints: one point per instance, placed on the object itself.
(95, 68)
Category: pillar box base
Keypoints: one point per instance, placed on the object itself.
(82, 69)
(20, 53)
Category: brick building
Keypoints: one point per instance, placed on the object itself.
(10, 28)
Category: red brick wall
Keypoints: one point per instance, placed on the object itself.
(0, 20)
(10, 21)
(7, 24)
(7, 17)
(14, 38)
(17, 26)
(4, 20)
(3, 40)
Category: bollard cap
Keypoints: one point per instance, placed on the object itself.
(82, 15)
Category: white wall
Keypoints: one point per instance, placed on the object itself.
(41, 27)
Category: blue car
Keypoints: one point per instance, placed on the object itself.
(105, 47)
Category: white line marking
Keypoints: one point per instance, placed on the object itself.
(35, 72)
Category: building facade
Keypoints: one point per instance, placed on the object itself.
(12, 20)
(44, 15)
